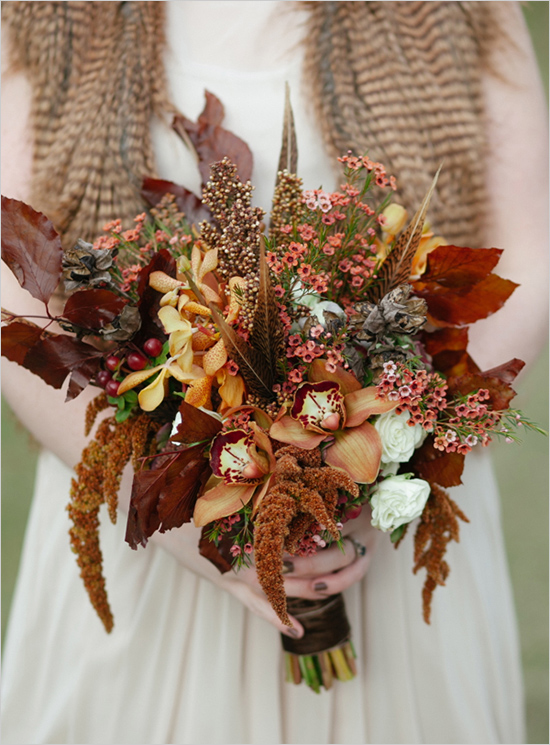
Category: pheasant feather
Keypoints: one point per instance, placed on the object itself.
(396, 268)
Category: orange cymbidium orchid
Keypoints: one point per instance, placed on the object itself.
(244, 460)
(335, 406)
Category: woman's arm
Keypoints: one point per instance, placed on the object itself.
(517, 186)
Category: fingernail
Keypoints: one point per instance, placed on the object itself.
(293, 632)
(320, 587)
(288, 567)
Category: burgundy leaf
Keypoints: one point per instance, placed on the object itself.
(93, 309)
(54, 358)
(185, 479)
(153, 190)
(196, 425)
(436, 466)
(17, 338)
(149, 302)
(164, 497)
(212, 142)
(31, 248)
(81, 376)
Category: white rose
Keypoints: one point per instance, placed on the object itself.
(398, 439)
(398, 500)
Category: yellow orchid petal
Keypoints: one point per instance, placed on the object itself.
(153, 395)
(172, 320)
(231, 390)
(209, 263)
(185, 359)
(135, 378)
(202, 341)
(171, 298)
(163, 282)
(197, 309)
(209, 295)
(236, 284)
(215, 358)
(196, 258)
(198, 393)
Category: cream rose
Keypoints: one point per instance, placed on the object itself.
(398, 439)
(398, 500)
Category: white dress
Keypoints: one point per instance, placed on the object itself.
(186, 663)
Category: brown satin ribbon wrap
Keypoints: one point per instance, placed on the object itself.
(325, 624)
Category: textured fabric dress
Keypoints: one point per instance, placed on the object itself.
(186, 663)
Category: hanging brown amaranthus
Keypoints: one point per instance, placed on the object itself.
(438, 526)
(97, 481)
(304, 492)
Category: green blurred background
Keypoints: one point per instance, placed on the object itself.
(522, 472)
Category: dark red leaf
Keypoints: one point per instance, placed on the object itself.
(212, 142)
(17, 338)
(149, 302)
(81, 376)
(456, 266)
(217, 555)
(93, 309)
(54, 358)
(460, 307)
(496, 381)
(196, 425)
(436, 466)
(164, 497)
(185, 479)
(153, 190)
(31, 248)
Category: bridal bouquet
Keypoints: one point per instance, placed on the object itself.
(267, 385)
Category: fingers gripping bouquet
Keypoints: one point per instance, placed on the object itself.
(268, 386)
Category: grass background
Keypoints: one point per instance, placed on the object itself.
(522, 473)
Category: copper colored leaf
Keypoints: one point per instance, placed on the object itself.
(496, 381)
(212, 142)
(31, 248)
(93, 309)
(196, 425)
(464, 305)
(436, 466)
(17, 338)
(457, 266)
(54, 358)
(447, 348)
(153, 190)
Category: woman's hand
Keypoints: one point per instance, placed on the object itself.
(328, 572)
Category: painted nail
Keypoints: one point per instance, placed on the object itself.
(320, 587)
(288, 567)
(293, 632)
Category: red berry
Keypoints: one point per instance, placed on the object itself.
(103, 377)
(152, 347)
(111, 389)
(354, 511)
(112, 362)
(136, 361)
